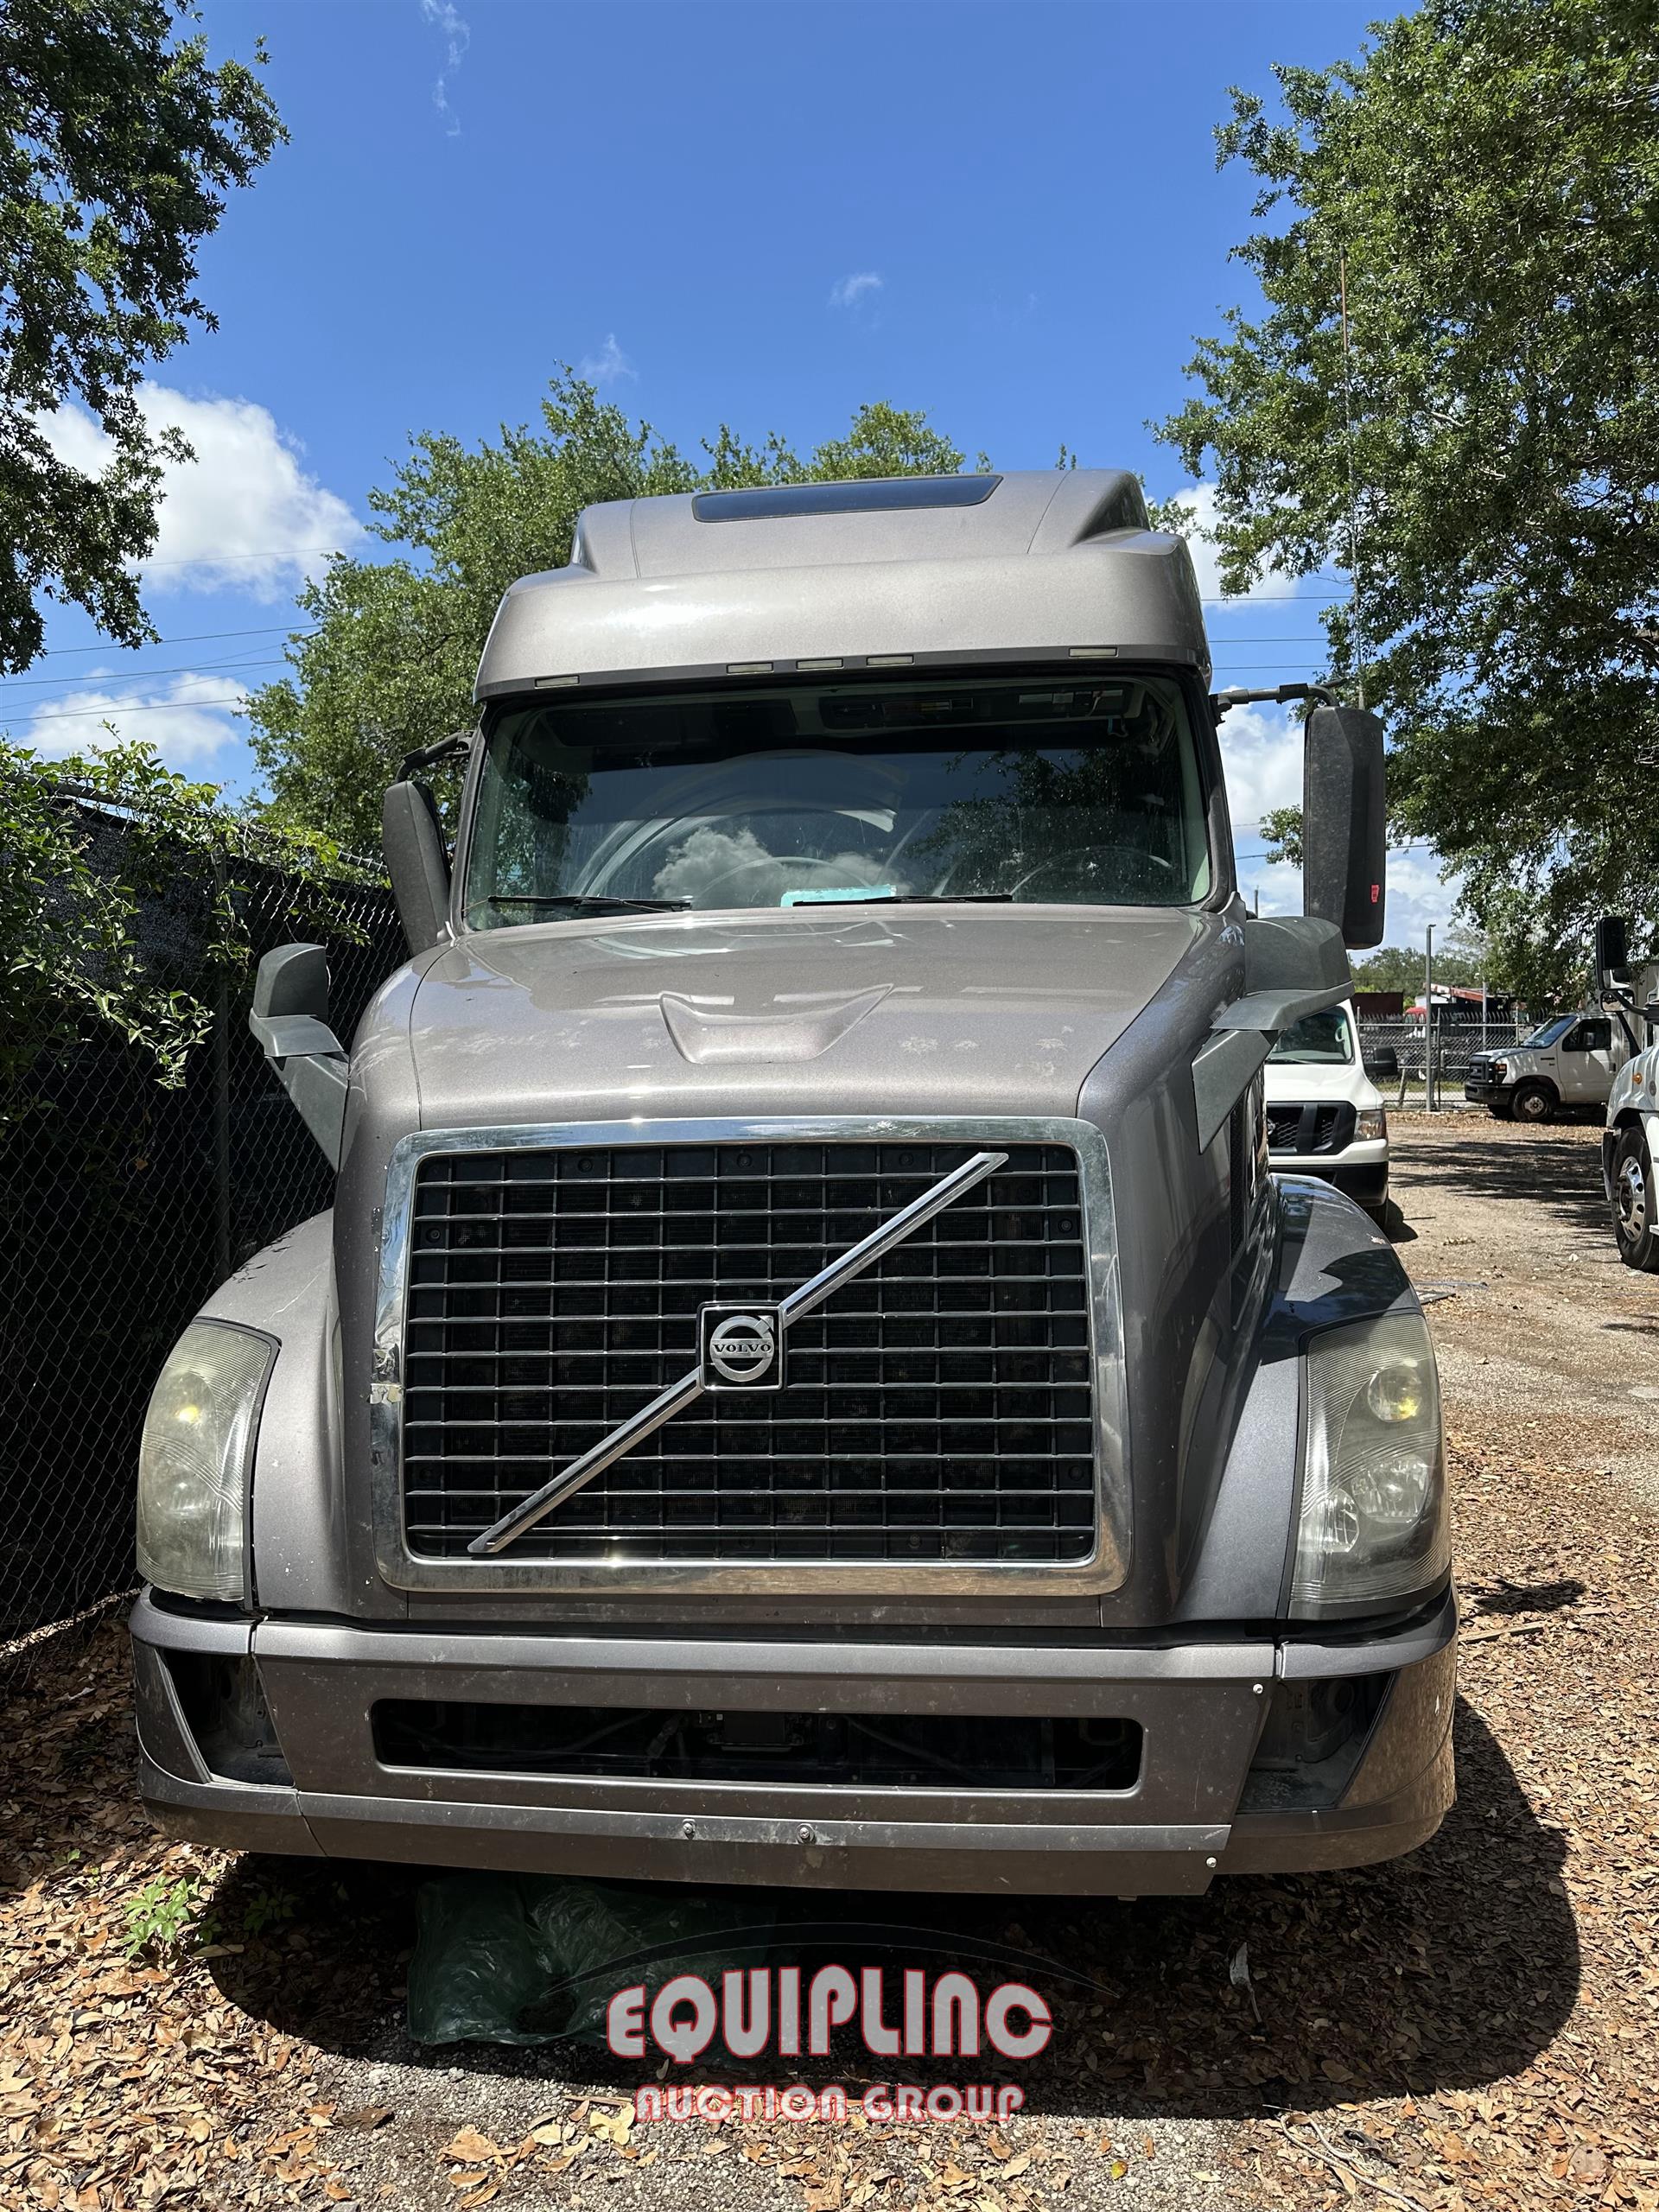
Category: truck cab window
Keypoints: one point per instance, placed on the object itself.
(1321, 1040)
(1021, 789)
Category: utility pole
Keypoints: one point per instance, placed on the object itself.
(1429, 1021)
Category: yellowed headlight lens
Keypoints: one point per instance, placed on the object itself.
(1396, 1393)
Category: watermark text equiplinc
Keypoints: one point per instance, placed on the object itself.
(767, 2008)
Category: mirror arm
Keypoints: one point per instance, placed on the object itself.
(1294, 966)
(1273, 1011)
(1282, 695)
(290, 1001)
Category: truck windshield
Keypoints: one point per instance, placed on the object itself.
(1084, 790)
(1551, 1033)
(1325, 1038)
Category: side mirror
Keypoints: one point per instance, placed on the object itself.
(416, 861)
(290, 1017)
(1345, 821)
(1384, 1060)
(1613, 951)
(292, 981)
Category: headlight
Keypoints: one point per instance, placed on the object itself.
(1371, 1121)
(1501, 1071)
(196, 1461)
(1373, 1525)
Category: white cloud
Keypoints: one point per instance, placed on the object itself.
(1261, 757)
(243, 516)
(1417, 897)
(608, 363)
(458, 34)
(188, 718)
(851, 289)
(1200, 501)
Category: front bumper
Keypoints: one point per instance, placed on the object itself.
(1485, 1090)
(1360, 1170)
(1201, 1706)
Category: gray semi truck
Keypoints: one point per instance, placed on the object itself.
(808, 1377)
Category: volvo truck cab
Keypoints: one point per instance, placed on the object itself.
(807, 1377)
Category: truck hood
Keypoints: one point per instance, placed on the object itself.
(1293, 1081)
(900, 1010)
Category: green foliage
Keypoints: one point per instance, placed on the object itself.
(1400, 967)
(395, 644)
(160, 1914)
(266, 1908)
(1281, 833)
(117, 147)
(1531, 956)
(1483, 181)
(71, 962)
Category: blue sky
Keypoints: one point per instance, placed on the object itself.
(763, 213)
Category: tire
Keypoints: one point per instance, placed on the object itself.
(1501, 1111)
(1533, 1101)
(1636, 1202)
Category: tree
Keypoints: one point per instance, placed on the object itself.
(1461, 959)
(1476, 441)
(117, 147)
(70, 908)
(393, 645)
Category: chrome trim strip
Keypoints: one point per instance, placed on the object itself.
(1104, 1570)
(806, 1300)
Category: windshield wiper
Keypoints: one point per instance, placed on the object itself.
(583, 902)
(924, 899)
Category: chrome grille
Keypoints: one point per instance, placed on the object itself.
(938, 1409)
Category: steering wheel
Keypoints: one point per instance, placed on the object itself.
(1091, 863)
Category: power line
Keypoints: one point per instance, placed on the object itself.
(139, 676)
(260, 553)
(191, 637)
(114, 707)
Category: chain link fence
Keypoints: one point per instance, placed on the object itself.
(123, 1204)
(1401, 1055)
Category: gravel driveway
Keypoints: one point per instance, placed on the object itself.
(1476, 2024)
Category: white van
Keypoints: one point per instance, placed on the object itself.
(1326, 1116)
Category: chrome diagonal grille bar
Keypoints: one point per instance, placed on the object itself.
(806, 1299)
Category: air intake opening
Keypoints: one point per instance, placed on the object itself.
(883, 1750)
(861, 495)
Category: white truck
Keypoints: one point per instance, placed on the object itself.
(1628, 1140)
(1571, 1060)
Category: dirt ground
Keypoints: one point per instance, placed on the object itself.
(1476, 2024)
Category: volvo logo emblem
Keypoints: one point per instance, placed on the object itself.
(741, 1348)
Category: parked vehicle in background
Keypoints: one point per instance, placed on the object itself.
(810, 1378)
(1568, 1061)
(1629, 1142)
(1326, 1116)
(1459, 1006)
